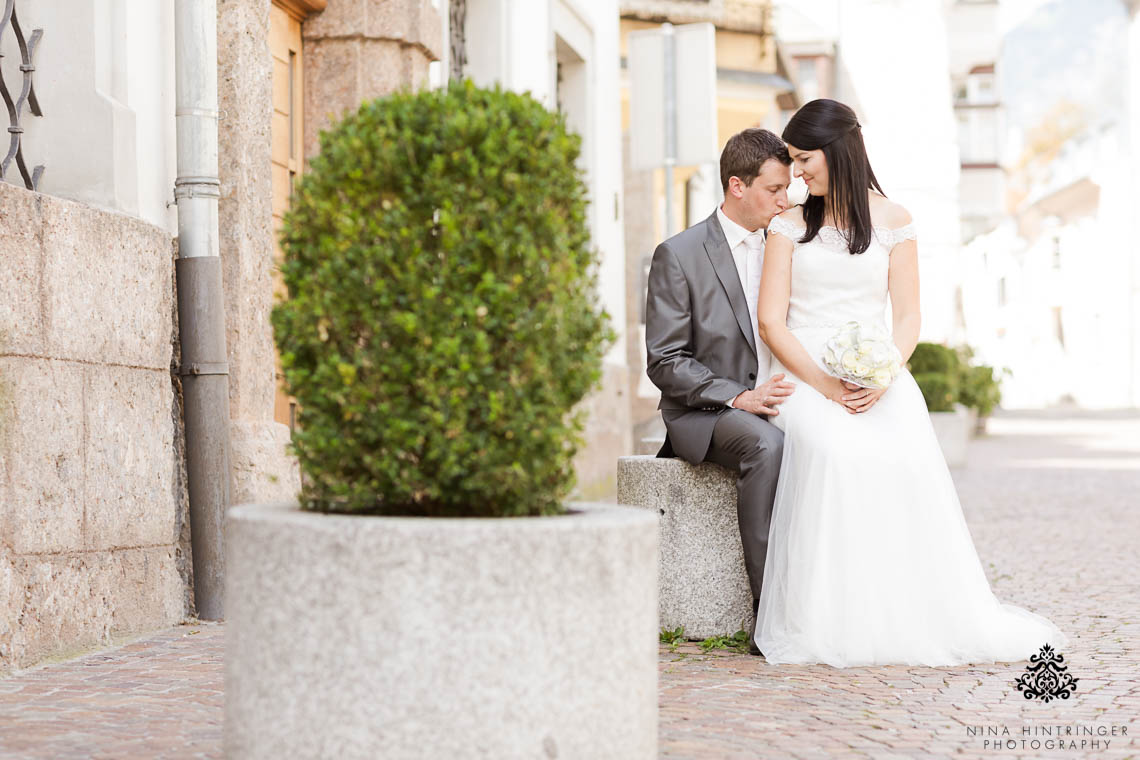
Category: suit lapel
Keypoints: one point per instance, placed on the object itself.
(716, 246)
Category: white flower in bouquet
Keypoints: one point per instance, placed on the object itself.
(863, 355)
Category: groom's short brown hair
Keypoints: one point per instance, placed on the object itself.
(745, 152)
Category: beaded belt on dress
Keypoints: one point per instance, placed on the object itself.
(832, 325)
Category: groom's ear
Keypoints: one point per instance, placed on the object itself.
(735, 186)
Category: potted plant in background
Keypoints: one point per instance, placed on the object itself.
(980, 389)
(937, 370)
(432, 594)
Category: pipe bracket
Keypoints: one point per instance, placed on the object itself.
(204, 368)
(197, 187)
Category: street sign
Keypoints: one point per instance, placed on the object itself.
(672, 96)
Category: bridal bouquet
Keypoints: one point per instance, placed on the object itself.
(864, 355)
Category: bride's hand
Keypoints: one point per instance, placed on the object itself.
(859, 399)
(835, 389)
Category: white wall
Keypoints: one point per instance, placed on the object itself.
(1079, 269)
(982, 191)
(517, 43)
(105, 80)
(1134, 236)
(974, 35)
(910, 131)
(510, 42)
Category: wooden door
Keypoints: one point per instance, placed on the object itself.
(287, 157)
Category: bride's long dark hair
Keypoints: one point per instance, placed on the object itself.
(831, 126)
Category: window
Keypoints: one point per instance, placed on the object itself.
(981, 88)
(978, 135)
(807, 76)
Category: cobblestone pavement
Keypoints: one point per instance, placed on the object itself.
(157, 697)
(1052, 505)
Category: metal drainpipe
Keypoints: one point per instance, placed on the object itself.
(201, 310)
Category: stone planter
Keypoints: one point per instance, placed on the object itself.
(953, 432)
(367, 637)
(973, 422)
(980, 425)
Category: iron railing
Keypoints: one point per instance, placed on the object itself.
(27, 97)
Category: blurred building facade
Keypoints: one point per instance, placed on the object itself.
(1051, 293)
(1047, 293)
(975, 48)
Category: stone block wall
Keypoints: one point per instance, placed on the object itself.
(262, 468)
(92, 502)
(356, 50)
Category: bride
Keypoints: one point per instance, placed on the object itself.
(870, 561)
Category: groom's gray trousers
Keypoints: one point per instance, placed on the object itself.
(701, 354)
(752, 446)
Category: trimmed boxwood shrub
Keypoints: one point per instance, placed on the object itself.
(936, 369)
(979, 384)
(981, 389)
(441, 321)
(933, 357)
(938, 391)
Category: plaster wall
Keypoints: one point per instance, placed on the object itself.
(105, 80)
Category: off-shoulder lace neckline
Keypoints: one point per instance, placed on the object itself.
(831, 235)
(802, 226)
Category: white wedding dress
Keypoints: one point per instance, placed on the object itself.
(870, 561)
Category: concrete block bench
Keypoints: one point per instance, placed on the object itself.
(702, 583)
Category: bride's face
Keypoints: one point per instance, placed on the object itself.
(811, 165)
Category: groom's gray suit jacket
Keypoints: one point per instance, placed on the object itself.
(698, 335)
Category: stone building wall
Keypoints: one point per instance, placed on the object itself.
(357, 50)
(92, 502)
(262, 468)
(353, 50)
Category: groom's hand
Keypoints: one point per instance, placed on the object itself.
(766, 397)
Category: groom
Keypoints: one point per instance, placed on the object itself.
(704, 350)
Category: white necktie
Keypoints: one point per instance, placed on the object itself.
(753, 260)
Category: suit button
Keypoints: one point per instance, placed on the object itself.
(751, 375)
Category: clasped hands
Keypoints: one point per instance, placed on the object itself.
(853, 398)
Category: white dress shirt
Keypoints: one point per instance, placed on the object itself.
(748, 255)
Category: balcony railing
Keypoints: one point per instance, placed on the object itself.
(27, 97)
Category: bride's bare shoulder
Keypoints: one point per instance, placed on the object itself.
(793, 216)
(789, 224)
(887, 213)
